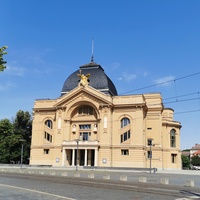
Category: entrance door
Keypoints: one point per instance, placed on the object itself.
(92, 157)
(82, 157)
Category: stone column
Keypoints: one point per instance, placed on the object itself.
(96, 157)
(73, 156)
(63, 157)
(85, 161)
(89, 157)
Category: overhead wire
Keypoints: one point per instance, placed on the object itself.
(161, 83)
(177, 96)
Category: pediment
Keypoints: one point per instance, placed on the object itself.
(84, 94)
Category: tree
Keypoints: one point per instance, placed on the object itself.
(11, 136)
(6, 130)
(195, 161)
(2, 62)
(22, 126)
(185, 161)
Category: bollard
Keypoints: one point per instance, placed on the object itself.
(91, 175)
(106, 176)
(64, 174)
(123, 178)
(42, 173)
(142, 179)
(52, 173)
(189, 183)
(77, 175)
(164, 181)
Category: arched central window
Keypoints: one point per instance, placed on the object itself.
(172, 138)
(85, 110)
(124, 122)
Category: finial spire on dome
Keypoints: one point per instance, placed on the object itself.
(92, 57)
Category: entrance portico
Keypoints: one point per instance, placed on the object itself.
(87, 153)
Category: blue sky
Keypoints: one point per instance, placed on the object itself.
(139, 43)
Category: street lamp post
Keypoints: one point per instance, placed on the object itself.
(22, 149)
(150, 154)
(77, 142)
(22, 152)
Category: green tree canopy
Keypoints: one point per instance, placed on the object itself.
(11, 136)
(22, 126)
(2, 61)
(185, 161)
(195, 161)
(6, 130)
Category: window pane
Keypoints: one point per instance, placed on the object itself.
(129, 135)
(49, 123)
(85, 126)
(85, 136)
(125, 136)
(124, 122)
(172, 138)
(85, 110)
(124, 152)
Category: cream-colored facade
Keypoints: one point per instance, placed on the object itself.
(107, 131)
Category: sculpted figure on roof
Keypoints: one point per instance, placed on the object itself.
(83, 79)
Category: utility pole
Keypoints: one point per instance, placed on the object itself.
(22, 152)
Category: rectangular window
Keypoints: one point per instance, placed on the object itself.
(173, 141)
(47, 136)
(85, 127)
(46, 151)
(124, 152)
(149, 142)
(173, 157)
(85, 135)
(125, 136)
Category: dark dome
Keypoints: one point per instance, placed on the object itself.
(97, 79)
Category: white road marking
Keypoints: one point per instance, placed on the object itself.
(189, 198)
(36, 191)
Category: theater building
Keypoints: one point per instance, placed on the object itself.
(91, 125)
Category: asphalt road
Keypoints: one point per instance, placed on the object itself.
(42, 187)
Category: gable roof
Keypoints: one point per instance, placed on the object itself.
(197, 146)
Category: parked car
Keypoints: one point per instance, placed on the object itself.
(195, 168)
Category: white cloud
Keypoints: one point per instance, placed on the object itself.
(17, 71)
(6, 86)
(167, 80)
(127, 77)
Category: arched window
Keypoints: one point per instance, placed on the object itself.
(126, 133)
(172, 138)
(49, 123)
(85, 110)
(125, 121)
